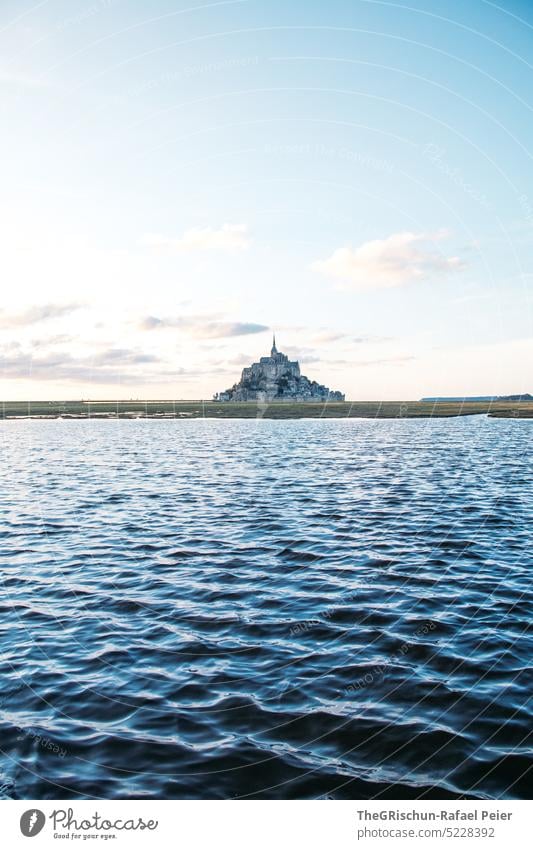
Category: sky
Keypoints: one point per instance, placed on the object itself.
(180, 178)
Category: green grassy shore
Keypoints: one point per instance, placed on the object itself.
(252, 410)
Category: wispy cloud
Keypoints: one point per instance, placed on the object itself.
(325, 337)
(203, 328)
(47, 341)
(395, 360)
(124, 357)
(347, 364)
(386, 263)
(229, 238)
(302, 354)
(218, 329)
(108, 366)
(240, 360)
(36, 314)
(370, 340)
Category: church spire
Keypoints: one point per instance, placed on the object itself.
(274, 349)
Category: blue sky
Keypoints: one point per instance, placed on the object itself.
(180, 178)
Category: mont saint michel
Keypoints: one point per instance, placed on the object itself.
(276, 378)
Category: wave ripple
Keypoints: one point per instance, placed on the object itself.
(271, 609)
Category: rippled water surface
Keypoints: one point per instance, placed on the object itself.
(272, 609)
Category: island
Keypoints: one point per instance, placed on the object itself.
(276, 378)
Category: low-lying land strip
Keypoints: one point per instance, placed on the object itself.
(253, 410)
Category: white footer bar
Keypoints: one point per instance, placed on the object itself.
(268, 824)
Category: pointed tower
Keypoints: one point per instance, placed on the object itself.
(274, 350)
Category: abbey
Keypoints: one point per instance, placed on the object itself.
(276, 378)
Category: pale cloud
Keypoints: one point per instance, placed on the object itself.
(58, 339)
(36, 314)
(385, 263)
(203, 327)
(221, 329)
(371, 340)
(325, 336)
(302, 354)
(114, 365)
(347, 364)
(229, 238)
(240, 360)
(394, 360)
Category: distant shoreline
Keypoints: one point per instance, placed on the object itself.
(106, 410)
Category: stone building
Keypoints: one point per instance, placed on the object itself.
(276, 378)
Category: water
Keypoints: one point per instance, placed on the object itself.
(294, 609)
